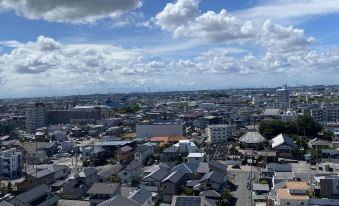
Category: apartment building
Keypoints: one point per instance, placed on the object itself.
(35, 117)
(219, 133)
(10, 164)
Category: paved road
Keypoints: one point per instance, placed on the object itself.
(242, 194)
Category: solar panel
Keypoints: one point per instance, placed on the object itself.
(188, 201)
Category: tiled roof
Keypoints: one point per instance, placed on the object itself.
(285, 194)
(297, 185)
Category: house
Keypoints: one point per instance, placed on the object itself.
(171, 185)
(188, 169)
(78, 184)
(196, 158)
(143, 152)
(211, 196)
(106, 174)
(152, 181)
(35, 178)
(188, 200)
(213, 180)
(293, 194)
(251, 140)
(125, 154)
(203, 168)
(37, 196)
(102, 191)
(217, 166)
(260, 191)
(329, 186)
(283, 145)
(119, 201)
(170, 154)
(141, 196)
(130, 172)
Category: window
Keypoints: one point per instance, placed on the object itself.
(288, 203)
(125, 173)
(302, 203)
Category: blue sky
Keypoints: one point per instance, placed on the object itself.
(52, 47)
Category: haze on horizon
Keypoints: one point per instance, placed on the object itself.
(104, 46)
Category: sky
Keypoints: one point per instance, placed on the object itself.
(65, 47)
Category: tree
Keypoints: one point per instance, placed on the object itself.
(186, 191)
(328, 135)
(307, 126)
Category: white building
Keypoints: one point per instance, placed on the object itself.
(218, 133)
(283, 97)
(289, 116)
(35, 117)
(10, 164)
(196, 158)
(160, 129)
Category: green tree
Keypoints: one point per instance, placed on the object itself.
(328, 135)
(186, 191)
(307, 126)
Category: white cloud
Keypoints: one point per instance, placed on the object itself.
(277, 38)
(184, 19)
(177, 14)
(288, 11)
(74, 11)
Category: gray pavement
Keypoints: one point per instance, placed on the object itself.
(242, 194)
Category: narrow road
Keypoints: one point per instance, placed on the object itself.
(241, 194)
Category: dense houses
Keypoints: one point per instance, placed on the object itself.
(275, 146)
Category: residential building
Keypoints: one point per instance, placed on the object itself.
(142, 197)
(292, 194)
(37, 196)
(35, 117)
(10, 164)
(125, 154)
(152, 181)
(218, 133)
(101, 191)
(130, 173)
(156, 129)
(196, 158)
(283, 97)
(171, 185)
(143, 152)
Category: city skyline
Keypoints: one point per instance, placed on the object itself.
(110, 46)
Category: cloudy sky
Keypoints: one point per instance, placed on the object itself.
(63, 47)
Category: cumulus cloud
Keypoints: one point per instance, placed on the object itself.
(278, 38)
(74, 11)
(184, 19)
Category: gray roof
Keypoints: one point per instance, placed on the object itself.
(88, 171)
(33, 193)
(203, 168)
(217, 177)
(120, 201)
(171, 149)
(210, 193)
(279, 167)
(126, 148)
(111, 170)
(187, 168)
(260, 187)
(215, 165)
(157, 175)
(252, 138)
(41, 173)
(133, 165)
(103, 188)
(5, 203)
(140, 195)
(174, 177)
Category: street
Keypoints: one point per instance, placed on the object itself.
(241, 193)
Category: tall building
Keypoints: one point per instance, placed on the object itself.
(283, 97)
(35, 117)
(218, 133)
(10, 164)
